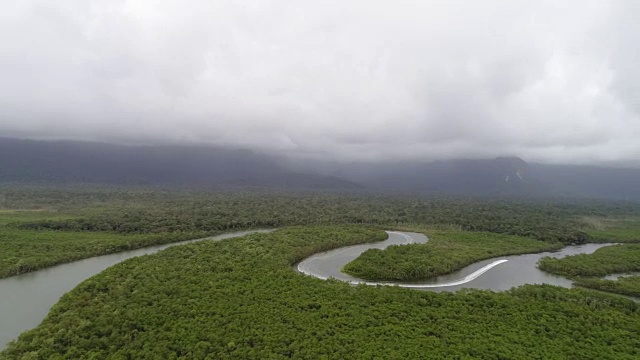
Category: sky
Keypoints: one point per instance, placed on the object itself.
(361, 80)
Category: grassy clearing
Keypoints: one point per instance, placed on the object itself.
(15, 216)
(622, 230)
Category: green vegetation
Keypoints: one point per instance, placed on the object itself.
(604, 261)
(152, 210)
(585, 268)
(621, 230)
(12, 216)
(627, 285)
(241, 299)
(29, 250)
(43, 226)
(445, 252)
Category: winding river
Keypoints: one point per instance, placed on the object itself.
(496, 274)
(26, 299)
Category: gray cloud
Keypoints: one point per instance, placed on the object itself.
(553, 81)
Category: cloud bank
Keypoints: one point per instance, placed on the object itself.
(551, 81)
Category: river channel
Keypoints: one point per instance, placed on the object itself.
(492, 274)
(26, 299)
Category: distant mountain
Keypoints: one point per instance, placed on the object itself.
(505, 175)
(32, 161)
(587, 181)
(500, 176)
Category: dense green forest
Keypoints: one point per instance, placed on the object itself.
(28, 250)
(241, 299)
(445, 252)
(626, 285)
(41, 226)
(148, 210)
(585, 269)
(604, 261)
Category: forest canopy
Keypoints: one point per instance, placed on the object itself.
(242, 299)
(42, 226)
(445, 252)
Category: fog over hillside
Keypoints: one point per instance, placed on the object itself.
(418, 81)
(68, 162)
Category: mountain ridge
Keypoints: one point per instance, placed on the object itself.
(37, 161)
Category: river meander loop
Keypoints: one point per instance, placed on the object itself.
(329, 264)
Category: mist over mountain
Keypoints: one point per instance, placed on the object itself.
(29, 161)
(469, 176)
(360, 81)
(499, 176)
(88, 162)
(586, 181)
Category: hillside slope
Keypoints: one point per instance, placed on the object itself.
(87, 162)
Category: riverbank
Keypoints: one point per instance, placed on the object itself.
(587, 270)
(240, 299)
(25, 251)
(496, 274)
(446, 252)
(26, 299)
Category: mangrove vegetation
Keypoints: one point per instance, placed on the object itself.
(43, 226)
(445, 252)
(604, 261)
(241, 299)
(624, 285)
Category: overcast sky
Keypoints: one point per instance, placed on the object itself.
(553, 81)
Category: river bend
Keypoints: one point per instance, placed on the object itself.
(497, 274)
(27, 298)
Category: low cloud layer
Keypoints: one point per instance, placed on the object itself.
(552, 81)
